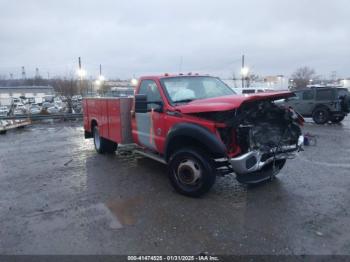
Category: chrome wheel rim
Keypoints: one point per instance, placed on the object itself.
(321, 116)
(189, 172)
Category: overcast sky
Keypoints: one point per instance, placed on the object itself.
(145, 37)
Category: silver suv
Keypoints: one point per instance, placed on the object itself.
(322, 104)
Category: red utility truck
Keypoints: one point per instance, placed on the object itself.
(199, 128)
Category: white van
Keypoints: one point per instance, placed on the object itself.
(251, 90)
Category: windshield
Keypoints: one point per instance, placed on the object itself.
(186, 89)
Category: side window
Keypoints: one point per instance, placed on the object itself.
(150, 88)
(308, 95)
(327, 94)
(249, 91)
(298, 96)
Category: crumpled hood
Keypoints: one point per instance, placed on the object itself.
(225, 103)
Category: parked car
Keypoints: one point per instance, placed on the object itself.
(19, 109)
(199, 128)
(20, 106)
(16, 100)
(46, 105)
(322, 104)
(35, 109)
(54, 109)
(77, 98)
(4, 110)
(252, 90)
(31, 100)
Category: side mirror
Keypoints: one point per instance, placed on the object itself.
(140, 103)
(159, 108)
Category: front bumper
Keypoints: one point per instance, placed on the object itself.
(255, 160)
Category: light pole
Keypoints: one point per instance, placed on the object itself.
(81, 73)
(291, 83)
(244, 74)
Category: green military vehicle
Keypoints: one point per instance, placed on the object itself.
(323, 104)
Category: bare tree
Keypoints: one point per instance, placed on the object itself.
(67, 87)
(252, 78)
(303, 76)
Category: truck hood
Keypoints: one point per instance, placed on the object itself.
(225, 103)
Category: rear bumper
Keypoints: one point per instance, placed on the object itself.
(255, 160)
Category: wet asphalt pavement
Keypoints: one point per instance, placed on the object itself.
(58, 196)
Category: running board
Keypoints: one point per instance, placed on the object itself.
(151, 155)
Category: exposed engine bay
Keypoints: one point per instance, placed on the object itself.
(264, 132)
(261, 125)
(267, 127)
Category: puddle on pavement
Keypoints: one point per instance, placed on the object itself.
(125, 210)
(228, 188)
(115, 214)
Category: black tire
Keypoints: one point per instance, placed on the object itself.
(3, 132)
(191, 172)
(320, 115)
(337, 119)
(266, 173)
(103, 145)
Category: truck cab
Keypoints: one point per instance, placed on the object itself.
(199, 128)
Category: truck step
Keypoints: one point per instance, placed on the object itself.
(150, 155)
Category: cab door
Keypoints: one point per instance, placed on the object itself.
(150, 125)
(307, 102)
(303, 102)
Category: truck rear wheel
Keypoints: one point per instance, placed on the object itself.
(103, 145)
(191, 172)
(320, 115)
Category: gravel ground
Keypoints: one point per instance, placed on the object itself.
(58, 196)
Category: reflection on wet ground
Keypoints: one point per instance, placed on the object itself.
(125, 210)
(58, 196)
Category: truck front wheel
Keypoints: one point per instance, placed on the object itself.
(191, 172)
(103, 145)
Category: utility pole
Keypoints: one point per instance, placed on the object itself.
(333, 76)
(242, 71)
(91, 85)
(23, 73)
(37, 74)
(100, 70)
(79, 64)
(80, 75)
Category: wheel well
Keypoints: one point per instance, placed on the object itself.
(179, 142)
(93, 124)
(320, 107)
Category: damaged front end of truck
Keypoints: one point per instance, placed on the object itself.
(259, 136)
